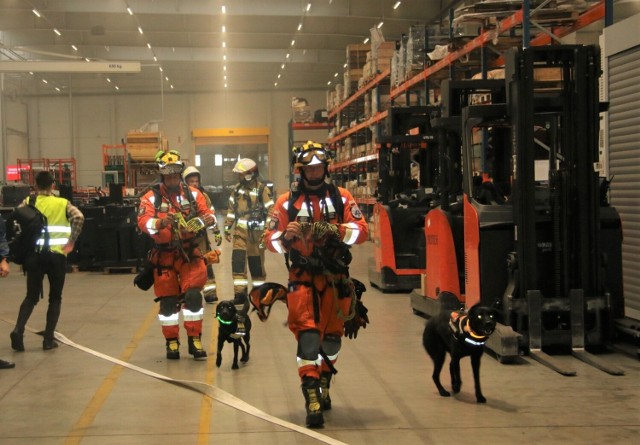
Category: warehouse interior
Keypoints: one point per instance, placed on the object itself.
(427, 109)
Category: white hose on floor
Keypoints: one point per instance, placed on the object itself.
(209, 390)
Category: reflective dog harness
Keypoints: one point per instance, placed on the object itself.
(460, 326)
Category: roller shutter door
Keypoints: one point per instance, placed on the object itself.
(624, 163)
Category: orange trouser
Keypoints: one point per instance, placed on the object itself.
(320, 310)
(174, 278)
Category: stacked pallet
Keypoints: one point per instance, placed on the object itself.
(143, 146)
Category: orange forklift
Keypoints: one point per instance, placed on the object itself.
(407, 166)
(531, 234)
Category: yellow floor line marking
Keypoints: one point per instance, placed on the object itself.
(213, 392)
(95, 405)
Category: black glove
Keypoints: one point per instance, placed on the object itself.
(360, 320)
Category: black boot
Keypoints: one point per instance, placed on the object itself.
(53, 314)
(311, 392)
(17, 340)
(195, 349)
(325, 383)
(173, 349)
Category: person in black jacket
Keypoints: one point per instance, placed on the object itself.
(64, 224)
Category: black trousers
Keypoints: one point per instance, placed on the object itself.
(54, 267)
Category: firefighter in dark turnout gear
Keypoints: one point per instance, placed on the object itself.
(173, 214)
(314, 226)
(249, 206)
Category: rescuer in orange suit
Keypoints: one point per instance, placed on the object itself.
(173, 214)
(314, 226)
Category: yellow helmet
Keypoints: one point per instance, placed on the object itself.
(310, 153)
(169, 162)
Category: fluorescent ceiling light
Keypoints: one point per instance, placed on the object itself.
(224, 57)
(75, 48)
(366, 40)
(160, 68)
(166, 78)
(224, 9)
(335, 75)
(396, 5)
(288, 55)
(308, 6)
(293, 42)
(299, 26)
(282, 66)
(44, 81)
(35, 11)
(155, 59)
(117, 87)
(275, 84)
(345, 65)
(149, 45)
(140, 30)
(224, 28)
(56, 31)
(171, 86)
(329, 83)
(380, 24)
(108, 80)
(57, 89)
(129, 11)
(224, 44)
(225, 85)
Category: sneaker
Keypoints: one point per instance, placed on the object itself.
(311, 392)
(49, 343)
(173, 349)
(195, 349)
(325, 383)
(6, 365)
(17, 341)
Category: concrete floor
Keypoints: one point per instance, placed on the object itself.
(383, 393)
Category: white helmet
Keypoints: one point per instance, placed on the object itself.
(191, 170)
(245, 166)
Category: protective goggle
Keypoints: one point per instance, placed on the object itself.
(313, 157)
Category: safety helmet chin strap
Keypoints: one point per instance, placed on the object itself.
(314, 182)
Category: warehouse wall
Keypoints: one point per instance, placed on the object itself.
(63, 126)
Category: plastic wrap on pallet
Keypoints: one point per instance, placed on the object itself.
(416, 44)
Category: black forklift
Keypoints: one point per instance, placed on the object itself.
(540, 244)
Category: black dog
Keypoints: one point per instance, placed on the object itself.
(226, 314)
(460, 334)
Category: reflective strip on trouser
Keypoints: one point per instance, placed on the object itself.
(239, 270)
(309, 368)
(210, 288)
(193, 322)
(170, 325)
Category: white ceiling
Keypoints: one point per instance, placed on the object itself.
(186, 37)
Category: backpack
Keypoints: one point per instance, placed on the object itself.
(25, 225)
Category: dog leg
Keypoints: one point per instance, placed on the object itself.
(245, 353)
(220, 346)
(454, 368)
(236, 346)
(438, 362)
(475, 366)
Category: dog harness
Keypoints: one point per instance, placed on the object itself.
(460, 326)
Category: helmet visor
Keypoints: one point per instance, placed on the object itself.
(312, 157)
